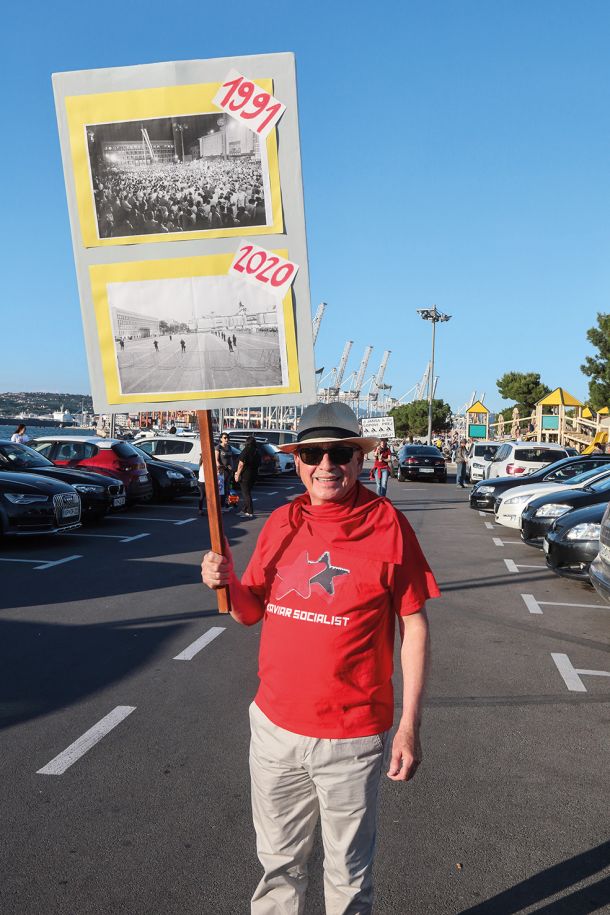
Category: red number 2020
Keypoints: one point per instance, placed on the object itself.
(265, 270)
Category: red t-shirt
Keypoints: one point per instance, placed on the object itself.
(333, 578)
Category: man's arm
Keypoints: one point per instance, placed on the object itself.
(406, 747)
(217, 571)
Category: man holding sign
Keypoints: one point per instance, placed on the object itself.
(331, 573)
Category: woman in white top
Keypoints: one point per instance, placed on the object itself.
(19, 435)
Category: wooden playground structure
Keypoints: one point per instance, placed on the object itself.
(558, 417)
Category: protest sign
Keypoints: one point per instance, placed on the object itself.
(380, 426)
(172, 187)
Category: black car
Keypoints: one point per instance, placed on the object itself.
(538, 516)
(98, 493)
(572, 543)
(30, 504)
(421, 462)
(169, 479)
(485, 492)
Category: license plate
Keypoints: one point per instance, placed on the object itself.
(545, 546)
(70, 512)
(427, 469)
(143, 477)
(118, 500)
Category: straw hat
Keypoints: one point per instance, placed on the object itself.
(329, 422)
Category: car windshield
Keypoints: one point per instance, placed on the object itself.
(417, 450)
(587, 475)
(485, 451)
(602, 485)
(123, 450)
(21, 457)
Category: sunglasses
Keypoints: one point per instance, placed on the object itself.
(338, 454)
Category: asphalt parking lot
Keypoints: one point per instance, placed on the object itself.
(124, 704)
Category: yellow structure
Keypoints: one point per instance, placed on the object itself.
(551, 415)
(477, 421)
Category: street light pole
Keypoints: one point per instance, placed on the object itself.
(433, 315)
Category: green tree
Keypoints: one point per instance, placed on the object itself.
(412, 418)
(525, 388)
(597, 368)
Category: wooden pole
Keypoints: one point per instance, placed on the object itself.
(210, 471)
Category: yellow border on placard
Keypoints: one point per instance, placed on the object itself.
(176, 268)
(164, 102)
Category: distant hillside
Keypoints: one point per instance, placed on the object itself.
(42, 402)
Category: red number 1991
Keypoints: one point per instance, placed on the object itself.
(246, 101)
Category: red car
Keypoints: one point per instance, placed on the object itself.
(108, 456)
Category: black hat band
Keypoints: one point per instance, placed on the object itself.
(327, 432)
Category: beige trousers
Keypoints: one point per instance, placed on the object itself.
(295, 781)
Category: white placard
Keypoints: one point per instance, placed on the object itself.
(248, 103)
(381, 426)
(263, 268)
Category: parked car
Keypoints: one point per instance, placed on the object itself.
(509, 507)
(572, 542)
(180, 449)
(169, 479)
(540, 514)
(421, 462)
(516, 458)
(107, 456)
(599, 571)
(484, 493)
(479, 459)
(31, 504)
(98, 493)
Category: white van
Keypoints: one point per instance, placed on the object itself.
(518, 458)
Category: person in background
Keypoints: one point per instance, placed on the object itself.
(246, 474)
(383, 456)
(461, 456)
(20, 436)
(201, 485)
(224, 461)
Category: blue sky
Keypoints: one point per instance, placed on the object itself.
(455, 153)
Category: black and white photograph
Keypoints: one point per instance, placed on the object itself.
(205, 333)
(183, 174)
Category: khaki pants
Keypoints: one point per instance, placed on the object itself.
(295, 781)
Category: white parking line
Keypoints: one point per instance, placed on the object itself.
(71, 754)
(534, 606)
(489, 526)
(195, 647)
(571, 675)
(531, 603)
(187, 521)
(145, 518)
(118, 537)
(499, 542)
(46, 563)
(512, 566)
(482, 514)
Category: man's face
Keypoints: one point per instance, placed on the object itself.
(327, 481)
(224, 440)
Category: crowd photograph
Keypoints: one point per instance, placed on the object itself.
(193, 173)
(211, 333)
